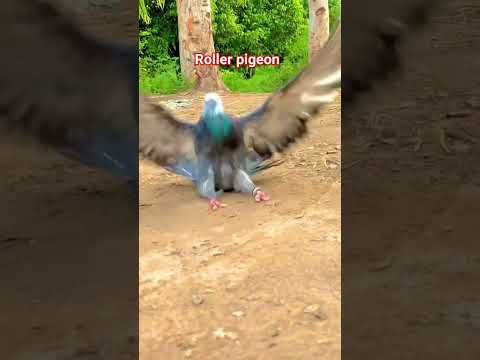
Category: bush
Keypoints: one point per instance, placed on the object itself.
(257, 27)
(268, 78)
(166, 80)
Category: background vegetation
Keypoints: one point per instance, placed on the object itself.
(258, 27)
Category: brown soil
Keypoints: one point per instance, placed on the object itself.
(410, 204)
(271, 262)
(65, 262)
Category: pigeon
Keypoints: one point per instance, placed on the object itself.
(222, 152)
(67, 89)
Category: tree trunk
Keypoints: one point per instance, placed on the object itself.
(195, 35)
(319, 25)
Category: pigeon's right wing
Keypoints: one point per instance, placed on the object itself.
(164, 139)
(374, 29)
(284, 117)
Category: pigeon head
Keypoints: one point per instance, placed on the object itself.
(219, 125)
(213, 104)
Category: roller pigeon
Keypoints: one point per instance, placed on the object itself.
(222, 152)
(67, 89)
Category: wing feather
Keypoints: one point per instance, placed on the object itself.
(163, 138)
(371, 55)
(283, 118)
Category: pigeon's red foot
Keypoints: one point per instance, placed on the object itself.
(215, 204)
(261, 196)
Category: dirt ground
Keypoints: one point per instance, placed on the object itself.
(411, 199)
(67, 270)
(251, 281)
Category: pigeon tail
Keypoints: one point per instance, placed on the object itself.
(259, 164)
(254, 165)
(185, 168)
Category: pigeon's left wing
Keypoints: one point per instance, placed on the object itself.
(67, 89)
(165, 139)
(284, 116)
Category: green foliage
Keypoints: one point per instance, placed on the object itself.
(143, 12)
(268, 78)
(158, 39)
(163, 83)
(335, 8)
(159, 66)
(144, 6)
(256, 27)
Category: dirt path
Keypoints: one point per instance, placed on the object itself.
(267, 276)
(411, 199)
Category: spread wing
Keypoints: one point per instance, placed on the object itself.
(67, 89)
(283, 118)
(164, 139)
(375, 29)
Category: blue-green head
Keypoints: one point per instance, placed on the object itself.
(219, 125)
